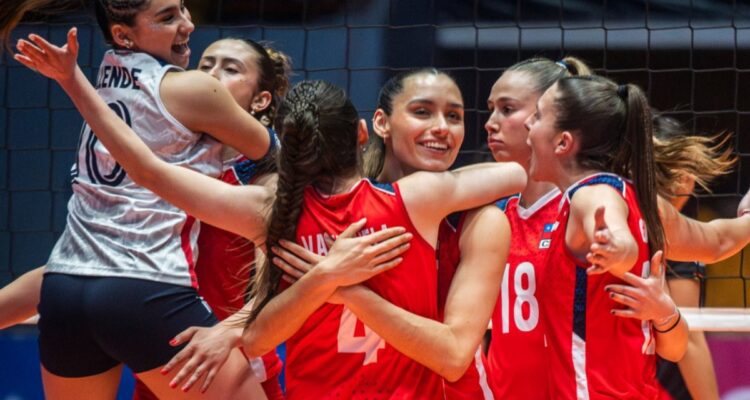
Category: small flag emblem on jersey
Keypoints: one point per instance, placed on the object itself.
(547, 235)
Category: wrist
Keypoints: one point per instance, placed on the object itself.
(70, 81)
(744, 212)
(322, 278)
(232, 332)
(668, 323)
(665, 320)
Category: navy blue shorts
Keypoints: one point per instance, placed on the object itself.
(88, 325)
(685, 270)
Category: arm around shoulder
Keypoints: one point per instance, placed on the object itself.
(203, 104)
(430, 196)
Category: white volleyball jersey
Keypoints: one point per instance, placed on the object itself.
(114, 227)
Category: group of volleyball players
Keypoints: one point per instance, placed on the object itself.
(562, 248)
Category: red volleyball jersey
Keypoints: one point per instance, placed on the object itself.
(517, 358)
(223, 272)
(473, 384)
(334, 355)
(592, 353)
(224, 259)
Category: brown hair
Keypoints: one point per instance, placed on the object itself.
(317, 125)
(545, 72)
(274, 67)
(677, 154)
(12, 12)
(616, 135)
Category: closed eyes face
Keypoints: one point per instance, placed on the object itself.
(234, 64)
(163, 30)
(427, 123)
(510, 103)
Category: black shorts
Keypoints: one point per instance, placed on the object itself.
(88, 325)
(685, 270)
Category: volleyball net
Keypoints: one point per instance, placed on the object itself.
(692, 58)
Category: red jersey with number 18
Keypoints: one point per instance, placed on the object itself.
(516, 323)
(334, 355)
(592, 353)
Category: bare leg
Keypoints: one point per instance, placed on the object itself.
(18, 300)
(697, 367)
(96, 387)
(235, 380)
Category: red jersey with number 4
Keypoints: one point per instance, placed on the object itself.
(334, 355)
(473, 384)
(592, 353)
(517, 358)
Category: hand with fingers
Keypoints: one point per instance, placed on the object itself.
(351, 259)
(645, 298)
(607, 249)
(206, 351)
(296, 260)
(58, 63)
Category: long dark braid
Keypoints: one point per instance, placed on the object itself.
(318, 130)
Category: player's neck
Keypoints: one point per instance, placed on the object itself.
(338, 184)
(534, 191)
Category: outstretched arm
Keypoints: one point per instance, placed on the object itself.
(603, 237)
(19, 299)
(445, 347)
(239, 209)
(707, 242)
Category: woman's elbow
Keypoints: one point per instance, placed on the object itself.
(674, 354)
(456, 367)
(252, 344)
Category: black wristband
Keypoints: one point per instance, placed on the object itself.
(677, 322)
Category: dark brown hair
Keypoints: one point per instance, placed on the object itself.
(317, 125)
(616, 135)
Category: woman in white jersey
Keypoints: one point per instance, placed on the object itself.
(119, 283)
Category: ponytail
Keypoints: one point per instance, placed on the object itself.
(636, 160)
(545, 72)
(616, 135)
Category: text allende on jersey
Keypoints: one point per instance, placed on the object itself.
(316, 243)
(112, 76)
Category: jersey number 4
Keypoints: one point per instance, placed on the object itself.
(369, 344)
(524, 295)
